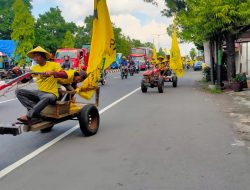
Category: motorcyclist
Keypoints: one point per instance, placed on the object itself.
(124, 63)
(132, 66)
(67, 64)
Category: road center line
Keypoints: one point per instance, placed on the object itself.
(8, 100)
(23, 160)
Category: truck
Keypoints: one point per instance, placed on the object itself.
(79, 57)
(142, 55)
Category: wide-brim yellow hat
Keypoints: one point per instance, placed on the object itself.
(38, 49)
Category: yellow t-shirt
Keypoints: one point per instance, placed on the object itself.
(47, 84)
(70, 78)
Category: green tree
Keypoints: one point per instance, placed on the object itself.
(68, 40)
(50, 29)
(215, 21)
(7, 16)
(192, 53)
(22, 30)
(161, 52)
(219, 20)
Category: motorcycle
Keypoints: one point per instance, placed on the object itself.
(131, 70)
(137, 68)
(124, 72)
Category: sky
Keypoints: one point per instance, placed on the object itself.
(137, 19)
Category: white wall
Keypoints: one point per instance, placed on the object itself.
(207, 53)
(243, 58)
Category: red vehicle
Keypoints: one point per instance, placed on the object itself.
(141, 55)
(79, 57)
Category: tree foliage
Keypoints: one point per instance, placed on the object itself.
(22, 30)
(161, 53)
(68, 40)
(7, 16)
(51, 28)
(192, 53)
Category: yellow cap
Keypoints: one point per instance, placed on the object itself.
(38, 49)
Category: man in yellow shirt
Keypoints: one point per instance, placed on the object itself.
(36, 100)
(70, 83)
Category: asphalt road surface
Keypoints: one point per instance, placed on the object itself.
(147, 141)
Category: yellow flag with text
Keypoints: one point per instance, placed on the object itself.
(103, 49)
(176, 63)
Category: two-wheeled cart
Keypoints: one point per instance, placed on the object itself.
(86, 113)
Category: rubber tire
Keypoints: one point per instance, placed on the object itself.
(126, 76)
(84, 120)
(122, 75)
(175, 79)
(46, 130)
(161, 85)
(144, 89)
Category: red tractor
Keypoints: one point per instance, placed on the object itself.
(156, 78)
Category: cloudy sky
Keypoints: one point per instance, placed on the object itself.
(137, 19)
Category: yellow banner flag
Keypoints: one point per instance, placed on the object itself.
(165, 50)
(176, 63)
(154, 54)
(103, 49)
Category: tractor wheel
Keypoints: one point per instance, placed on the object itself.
(174, 79)
(89, 120)
(160, 85)
(144, 89)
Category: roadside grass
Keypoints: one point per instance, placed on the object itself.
(204, 85)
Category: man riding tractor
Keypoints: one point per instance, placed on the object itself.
(36, 100)
(165, 71)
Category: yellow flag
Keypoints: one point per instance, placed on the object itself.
(103, 50)
(165, 50)
(176, 63)
(154, 54)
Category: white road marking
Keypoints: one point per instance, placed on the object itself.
(20, 162)
(8, 100)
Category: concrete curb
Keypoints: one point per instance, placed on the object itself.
(113, 70)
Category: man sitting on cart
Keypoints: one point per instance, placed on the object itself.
(36, 100)
(70, 83)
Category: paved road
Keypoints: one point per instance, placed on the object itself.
(15, 148)
(176, 140)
